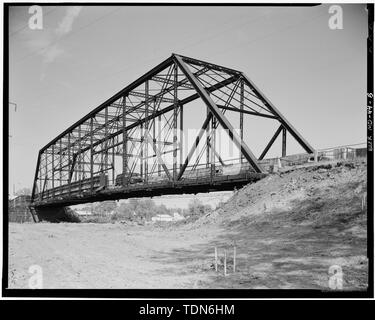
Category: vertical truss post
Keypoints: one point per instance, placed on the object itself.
(53, 170)
(79, 155)
(212, 146)
(75, 167)
(70, 165)
(92, 153)
(141, 153)
(181, 134)
(175, 110)
(113, 162)
(46, 173)
(284, 143)
(60, 165)
(154, 129)
(124, 143)
(106, 143)
(208, 142)
(241, 116)
(146, 130)
(159, 142)
(40, 177)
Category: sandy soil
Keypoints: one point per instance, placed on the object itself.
(288, 229)
(88, 255)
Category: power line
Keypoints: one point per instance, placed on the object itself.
(117, 72)
(66, 36)
(271, 34)
(24, 27)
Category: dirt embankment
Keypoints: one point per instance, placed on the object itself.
(288, 230)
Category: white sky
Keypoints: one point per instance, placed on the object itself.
(314, 75)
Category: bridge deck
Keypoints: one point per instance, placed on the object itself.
(151, 189)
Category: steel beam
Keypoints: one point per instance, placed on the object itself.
(258, 114)
(158, 155)
(175, 109)
(270, 143)
(208, 65)
(146, 130)
(308, 148)
(92, 154)
(160, 67)
(241, 114)
(181, 134)
(95, 137)
(36, 177)
(219, 116)
(194, 146)
(124, 144)
(167, 109)
(283, 152)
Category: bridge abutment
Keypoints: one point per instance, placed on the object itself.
(56, 214)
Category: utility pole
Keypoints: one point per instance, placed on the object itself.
(15, 105)
(15, 110)
(10, 136)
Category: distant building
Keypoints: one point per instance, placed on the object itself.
(178, 217)
(83, 212)
(167, 217)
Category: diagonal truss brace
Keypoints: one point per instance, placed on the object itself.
(149, 140)
(287, 125)
(250, 157)
(274, 137)
(198, 138)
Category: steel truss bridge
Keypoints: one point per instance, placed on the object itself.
(119, 150)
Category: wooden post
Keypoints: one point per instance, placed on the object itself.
(216, 259)
(225, 262)
(363, 202)
(234, 259)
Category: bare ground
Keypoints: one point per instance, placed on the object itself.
(288, 229)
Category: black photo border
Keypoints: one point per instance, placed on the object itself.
(185, 293)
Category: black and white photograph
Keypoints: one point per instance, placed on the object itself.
(188, 150)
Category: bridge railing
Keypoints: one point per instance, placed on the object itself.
(200, 172)
(347, 152)
(82, 186)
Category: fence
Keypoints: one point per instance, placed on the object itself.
(348, 152)
(19, 209)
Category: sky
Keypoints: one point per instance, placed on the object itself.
(83, 55)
